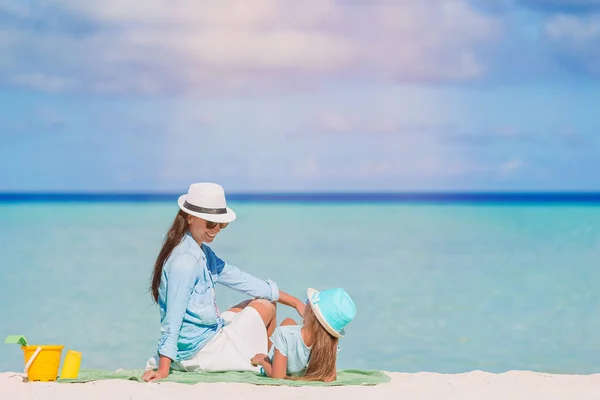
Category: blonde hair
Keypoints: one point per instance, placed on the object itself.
(323, 353)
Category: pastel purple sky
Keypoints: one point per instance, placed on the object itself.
(319, 95)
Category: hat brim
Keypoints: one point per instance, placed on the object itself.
(310, 292)
(228, 217)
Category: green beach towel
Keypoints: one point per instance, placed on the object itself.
(344, 377)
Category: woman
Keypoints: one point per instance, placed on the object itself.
(195, 336)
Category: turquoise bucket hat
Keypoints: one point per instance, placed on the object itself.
(333, 308)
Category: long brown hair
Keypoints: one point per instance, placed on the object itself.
(174, 236)
(323, 352)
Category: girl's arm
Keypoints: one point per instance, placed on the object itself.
(277, 369)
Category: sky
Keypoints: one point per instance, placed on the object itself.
(288, 96)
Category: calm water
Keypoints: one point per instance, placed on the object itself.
(444, 288)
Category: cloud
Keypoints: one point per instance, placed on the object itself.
(50, 118)
(543, 38)
(474, 169)
(40, 82)
(562, 6)
(36, 121)
(312, 168)
(420, 170)
(575, 41)
(541, 6)
(486, 137)
(510, 166)
(200, 47)
(331, 122)
(338, 123)
(512, 136)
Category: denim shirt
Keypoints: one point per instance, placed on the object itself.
(189, 315)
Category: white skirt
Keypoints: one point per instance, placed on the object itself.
(231, 349)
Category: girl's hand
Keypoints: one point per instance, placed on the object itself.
(151, 375)
(258, 359)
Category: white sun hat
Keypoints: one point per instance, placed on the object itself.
(206, 201)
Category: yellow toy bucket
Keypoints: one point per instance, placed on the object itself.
(42, 362)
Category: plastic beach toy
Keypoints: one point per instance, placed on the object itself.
(16, 339)
(43, 361)
(70, 368)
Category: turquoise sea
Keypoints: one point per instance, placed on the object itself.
(438, 287)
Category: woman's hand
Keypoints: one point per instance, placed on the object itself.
(164, 366)
(152, 375)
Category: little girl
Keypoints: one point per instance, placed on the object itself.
(308, 352)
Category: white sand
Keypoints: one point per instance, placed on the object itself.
(472, 386)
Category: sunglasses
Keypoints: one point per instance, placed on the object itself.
(212, 225)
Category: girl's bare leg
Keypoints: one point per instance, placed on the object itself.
(266, 310)
(239, 307)
(268, 313)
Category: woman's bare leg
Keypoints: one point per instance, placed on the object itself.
(288, 322)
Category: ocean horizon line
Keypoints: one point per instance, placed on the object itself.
(317, 197)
